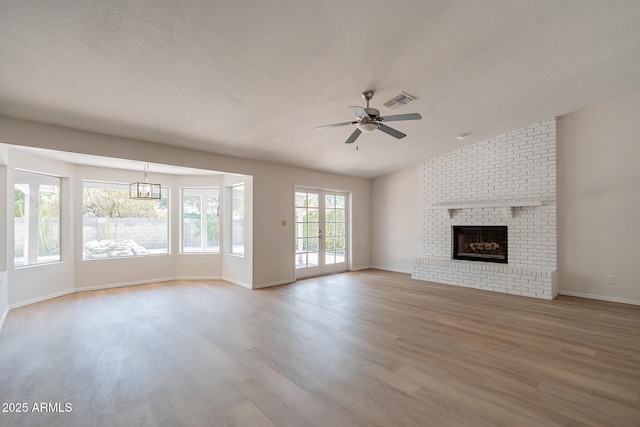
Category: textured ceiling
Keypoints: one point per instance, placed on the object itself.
(253, 78)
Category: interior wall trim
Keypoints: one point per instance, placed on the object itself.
(599, 297)
(268, 285)
(108, 286)
(199, 278)
(42, 298)
(124, 284)
(236, 282)
(393, 270)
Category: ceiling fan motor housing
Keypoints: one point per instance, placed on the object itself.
(372, 112)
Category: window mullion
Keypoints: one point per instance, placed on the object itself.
(203, 224)
(31, 231)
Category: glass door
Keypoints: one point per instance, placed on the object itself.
(321, 232)
(307, 233)
(334, 232)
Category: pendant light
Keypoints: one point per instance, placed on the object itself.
(143, 189)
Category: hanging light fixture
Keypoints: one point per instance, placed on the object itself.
(368, 126)
(143, 189)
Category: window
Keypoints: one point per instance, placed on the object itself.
(237, 220)
(116, 226)
(36, 218)
(200, 220)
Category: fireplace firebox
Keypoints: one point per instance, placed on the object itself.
(480, 243)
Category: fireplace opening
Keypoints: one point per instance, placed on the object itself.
(480, 243)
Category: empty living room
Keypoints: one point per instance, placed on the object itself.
(319, 214)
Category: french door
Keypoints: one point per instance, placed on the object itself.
(321, 232)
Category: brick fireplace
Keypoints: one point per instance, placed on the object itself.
(509, 182)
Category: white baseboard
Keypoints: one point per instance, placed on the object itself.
(599, 297)
(114, 285)
(198, 278)
(394, 270)
(268, 285)
(123, 284)
(146, 282)
(86, 289)
(359, 268)
(42, 298)
(236, 282)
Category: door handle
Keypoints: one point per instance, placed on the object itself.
(320, 234)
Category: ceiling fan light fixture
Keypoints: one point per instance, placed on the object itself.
(367, 126)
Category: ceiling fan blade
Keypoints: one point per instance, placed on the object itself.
(356, 133)
(391, 131)
(359, 111)
(335, 125)
(398, 117)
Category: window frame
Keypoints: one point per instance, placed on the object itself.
(204, 247)
(241, 219)
(164, 190)
(26, 262)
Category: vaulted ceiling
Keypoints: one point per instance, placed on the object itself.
(253, 78)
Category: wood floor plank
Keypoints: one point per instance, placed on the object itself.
(247, 414)
(368, 348)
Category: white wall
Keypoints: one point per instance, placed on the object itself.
(599, 200)
(238, 268)
(395, 234)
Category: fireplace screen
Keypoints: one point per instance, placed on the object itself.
(480, 243)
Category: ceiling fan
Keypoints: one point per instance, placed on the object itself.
(369, 119)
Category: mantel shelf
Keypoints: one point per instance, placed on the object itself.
(511, 204)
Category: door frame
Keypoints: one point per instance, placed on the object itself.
(348, 227)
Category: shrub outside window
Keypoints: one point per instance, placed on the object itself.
(200, 220)
(116, 226)
(36, 218)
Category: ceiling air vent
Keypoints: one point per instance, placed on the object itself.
(399, 100)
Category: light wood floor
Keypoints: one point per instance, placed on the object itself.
(367, 348)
